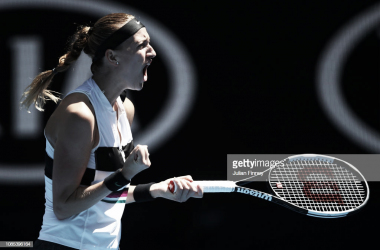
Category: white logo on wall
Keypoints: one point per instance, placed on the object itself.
(329, 72)
(181, 74)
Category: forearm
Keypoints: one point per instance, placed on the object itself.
(85, 197)
(130, 198)
(82, 199)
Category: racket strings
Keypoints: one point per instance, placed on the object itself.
(318, 185)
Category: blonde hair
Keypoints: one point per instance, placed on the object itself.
(87, 39)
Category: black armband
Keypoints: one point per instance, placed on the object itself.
(116, 181)
(142, 193)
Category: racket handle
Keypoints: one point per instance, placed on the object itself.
(209, 186)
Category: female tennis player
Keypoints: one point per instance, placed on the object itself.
(90, 156)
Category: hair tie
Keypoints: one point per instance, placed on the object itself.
(55, 71)
(89, 32)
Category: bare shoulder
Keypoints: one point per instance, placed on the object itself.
(77, 105)
(77, 116)
(74, 113)
(129, 109)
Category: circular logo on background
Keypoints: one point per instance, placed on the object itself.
(329, 79)
(26, 51)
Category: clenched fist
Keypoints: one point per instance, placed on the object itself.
(137, 161)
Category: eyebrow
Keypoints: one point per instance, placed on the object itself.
(143, 40)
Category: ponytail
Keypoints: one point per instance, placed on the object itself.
(37, 91)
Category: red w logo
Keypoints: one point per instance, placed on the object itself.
(316, 188)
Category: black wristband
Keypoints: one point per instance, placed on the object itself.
(116, 181)
(142, 193)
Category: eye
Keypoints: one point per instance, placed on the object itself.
(143, 45)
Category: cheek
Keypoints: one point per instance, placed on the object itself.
(140, 56)
(133, 63)
(137, 62)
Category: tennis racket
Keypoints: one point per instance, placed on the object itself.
(314, 185)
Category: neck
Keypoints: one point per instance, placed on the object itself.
(111, 87)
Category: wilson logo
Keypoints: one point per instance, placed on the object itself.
(254, 193)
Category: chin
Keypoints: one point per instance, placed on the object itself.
(137, 87)
(140, 86)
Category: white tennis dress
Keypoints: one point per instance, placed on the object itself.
(98, 227)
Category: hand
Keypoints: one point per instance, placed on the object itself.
(137, 161)
(185, 189)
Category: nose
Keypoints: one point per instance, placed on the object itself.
(151, 52)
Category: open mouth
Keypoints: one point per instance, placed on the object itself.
(145, 72)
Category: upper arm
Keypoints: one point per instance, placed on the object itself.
(129, 109)
(72, 150)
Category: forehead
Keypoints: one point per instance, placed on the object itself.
(141, 35)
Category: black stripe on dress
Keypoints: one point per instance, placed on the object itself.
(110, 158)
(87, 179)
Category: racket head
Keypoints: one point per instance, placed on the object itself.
(325, 186)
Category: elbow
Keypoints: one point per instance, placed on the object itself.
(59, 212)
(59, 217)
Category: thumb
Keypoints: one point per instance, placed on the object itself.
(136, 155)
(133, 155)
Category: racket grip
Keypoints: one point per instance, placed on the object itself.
(209, 186)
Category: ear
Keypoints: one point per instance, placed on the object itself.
(110, 56)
